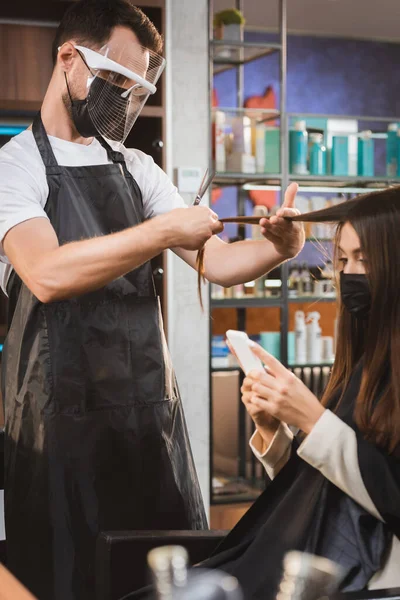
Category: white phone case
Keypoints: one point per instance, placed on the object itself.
(239, 341)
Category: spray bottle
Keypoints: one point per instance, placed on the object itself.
(314, 340)
(301, 339)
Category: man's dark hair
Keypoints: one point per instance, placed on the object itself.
(91, 22)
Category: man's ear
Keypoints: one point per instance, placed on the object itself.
(66, 56)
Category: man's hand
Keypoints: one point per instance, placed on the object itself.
(192, 227)
(287, 237)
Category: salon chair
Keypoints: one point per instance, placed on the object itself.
(121, 556)
(121, 561)
(389, 594)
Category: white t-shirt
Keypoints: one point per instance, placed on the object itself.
(24, 189)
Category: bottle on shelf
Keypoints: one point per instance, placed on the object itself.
(238, 291)
(327, 274)
(294, 280)
(327, 349)
(217, 292)
(249, 289)
(366, 154)
(273, 287)
(314, 338)
(317, 158)
(398, 153)
(259, 288)
(305, 281)
(169, 569)
(391, 150)
(228, 293)
(300, 338)
(241, 159)
(298, 148)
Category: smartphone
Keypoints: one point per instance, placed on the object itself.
(248, 361)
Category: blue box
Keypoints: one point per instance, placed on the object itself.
(366, 166)
(340, 155)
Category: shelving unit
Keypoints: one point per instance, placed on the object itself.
(227, 55)
(266, 302)
(234, 55)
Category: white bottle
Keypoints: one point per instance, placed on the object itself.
(314, 340)
(301, 339)
(260, 147)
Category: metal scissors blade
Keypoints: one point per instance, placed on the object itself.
(205, 184)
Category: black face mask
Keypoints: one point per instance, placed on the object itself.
(355, 294)
(113, 123)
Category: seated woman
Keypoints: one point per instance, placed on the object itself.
(335, 464)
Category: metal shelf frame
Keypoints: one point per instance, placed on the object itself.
(244, 54)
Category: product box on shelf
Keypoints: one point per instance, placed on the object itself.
(240, 163)
(342, 128)
(340, 155)
(242, 135)
(272, 150)
(392, 142)
(259, 147)
(366, 158)
(219, 352)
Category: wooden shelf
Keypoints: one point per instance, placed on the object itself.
(152, 111)
(18, 108)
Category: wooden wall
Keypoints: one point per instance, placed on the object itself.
(26, 70)
(268, 319)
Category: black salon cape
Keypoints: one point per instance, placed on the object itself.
(302, 510)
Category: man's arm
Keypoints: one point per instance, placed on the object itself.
(54, 272)
(230, 264)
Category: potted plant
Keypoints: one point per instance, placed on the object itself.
(228, 25)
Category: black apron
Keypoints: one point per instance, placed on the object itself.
(95, 434)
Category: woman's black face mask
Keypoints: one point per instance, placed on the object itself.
(355, 294)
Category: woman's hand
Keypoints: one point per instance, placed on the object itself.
(282, 395)
(255, 406)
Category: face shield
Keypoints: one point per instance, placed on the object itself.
(118, 85)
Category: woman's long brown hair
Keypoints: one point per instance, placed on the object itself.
(376, 220)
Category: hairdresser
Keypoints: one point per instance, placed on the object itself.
(95, 433)
(335, 464)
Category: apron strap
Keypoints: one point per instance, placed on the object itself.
(44, 146)
(113, 155)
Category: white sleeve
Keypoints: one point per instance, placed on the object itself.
(275, 457)
(20, 197)
(158, 192)
(331, 447)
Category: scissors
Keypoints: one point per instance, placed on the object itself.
(205, 184)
